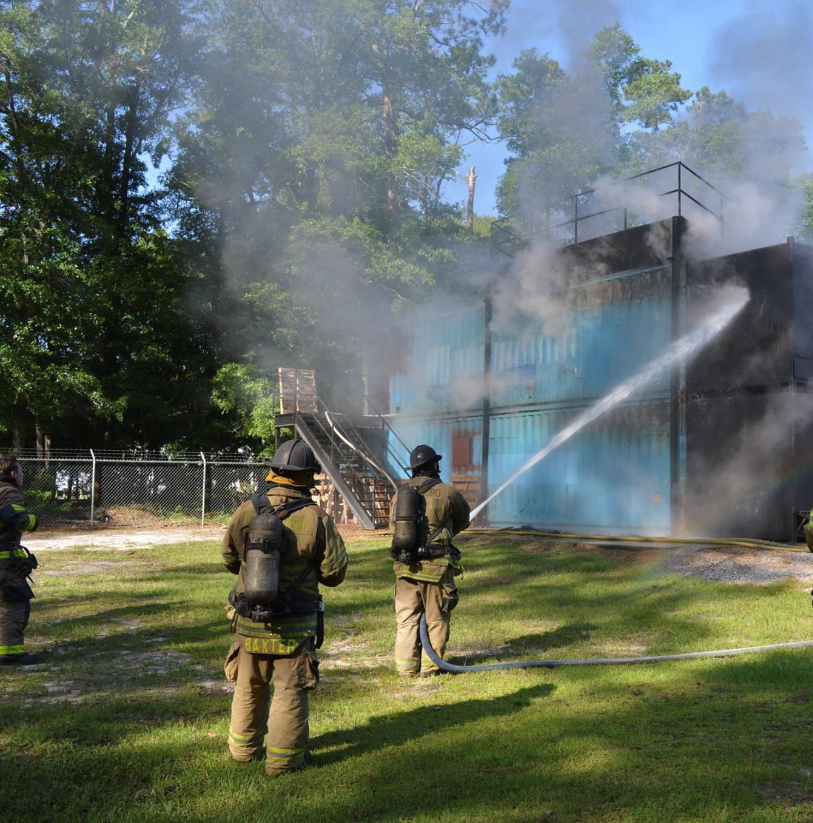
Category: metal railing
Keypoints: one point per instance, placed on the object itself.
(90, 488)
(506, 239)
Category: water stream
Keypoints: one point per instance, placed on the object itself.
(684, 348)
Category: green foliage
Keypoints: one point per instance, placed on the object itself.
(654, 95)
(309, 149)
(248, 398)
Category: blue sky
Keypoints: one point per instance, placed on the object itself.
(754, 49)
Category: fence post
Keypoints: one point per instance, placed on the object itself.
(203, 499)
(92, 489)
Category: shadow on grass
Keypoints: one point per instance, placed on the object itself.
(400, 727)
(530, 644)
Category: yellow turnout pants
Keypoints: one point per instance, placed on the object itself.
(285, 719)
(412, 599)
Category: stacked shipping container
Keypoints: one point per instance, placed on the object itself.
(490, 391)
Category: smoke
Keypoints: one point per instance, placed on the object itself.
(739, 487)
(754, 215)
(568, 25)
(763, 54)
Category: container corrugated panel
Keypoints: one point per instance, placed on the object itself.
(742, 467)
(614, 476)
(757, 348)
(439, 434)
(613, 328)
(443, 370)
(802, 300)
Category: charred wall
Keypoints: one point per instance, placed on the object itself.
(749, 411)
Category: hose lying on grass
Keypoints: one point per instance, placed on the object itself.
(593, 661)
(745, 542)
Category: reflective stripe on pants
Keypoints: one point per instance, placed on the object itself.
(13, 623)
(412, 599)
(286, 719)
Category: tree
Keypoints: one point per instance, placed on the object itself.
(309, 169)
(560, 130)
(91, 324)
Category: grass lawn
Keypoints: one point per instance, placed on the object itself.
(129, 718)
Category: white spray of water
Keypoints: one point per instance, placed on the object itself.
(681, 349)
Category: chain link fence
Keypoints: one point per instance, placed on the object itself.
(87, 488)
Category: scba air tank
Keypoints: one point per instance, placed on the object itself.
(409, 509)
(265, 544)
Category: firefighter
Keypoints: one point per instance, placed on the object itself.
(276, 642)
(808, 531)
(425, 580)
(16, 564)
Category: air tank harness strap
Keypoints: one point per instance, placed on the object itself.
(437, 550)
(285, 603)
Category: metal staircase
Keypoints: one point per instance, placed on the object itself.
(355, 448)
(365, 479)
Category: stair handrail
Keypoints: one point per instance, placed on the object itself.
(329, 435)
(388, 426)
(364, 518)
(391, 453)
(366, 457)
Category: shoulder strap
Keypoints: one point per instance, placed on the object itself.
(293, 506)
(428, 484)
(262, 504)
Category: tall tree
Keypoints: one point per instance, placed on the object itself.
(310, 165)
(564, 131)
(91, 321)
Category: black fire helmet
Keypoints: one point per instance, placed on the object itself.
(421, 455)
(294, 456)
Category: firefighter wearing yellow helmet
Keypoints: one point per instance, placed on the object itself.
(281, 546)
(425, 516)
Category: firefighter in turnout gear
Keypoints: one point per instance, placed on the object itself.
(808, 531)
(16, 564)
(425, 571)
(276, 610)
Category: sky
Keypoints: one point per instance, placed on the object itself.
(756, 50)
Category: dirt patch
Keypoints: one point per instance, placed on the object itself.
(344, 654)
(215, 687)
(740, 565)
(129, 539)
(354, 532)
(87, 567)
(121, 539)
(722, 564)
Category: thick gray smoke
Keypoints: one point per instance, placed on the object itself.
(758, 57)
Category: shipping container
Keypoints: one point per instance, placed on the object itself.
(714, 446)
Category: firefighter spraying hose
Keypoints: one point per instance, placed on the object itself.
(677, 352)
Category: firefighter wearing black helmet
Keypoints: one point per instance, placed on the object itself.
(280, 650)
(425, 582)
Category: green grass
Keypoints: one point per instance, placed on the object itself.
(128, 721)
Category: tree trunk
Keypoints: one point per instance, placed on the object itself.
(390, 147)
(469, 181)
(470, 206)
(127, 160)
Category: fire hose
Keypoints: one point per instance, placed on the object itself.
(609, 661)
(740, 542)
(454, 668)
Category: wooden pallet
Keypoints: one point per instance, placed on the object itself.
(297, 391)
